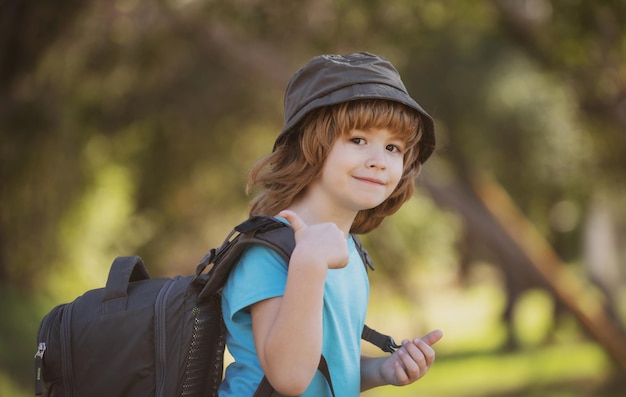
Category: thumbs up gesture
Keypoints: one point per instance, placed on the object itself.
(322, 243)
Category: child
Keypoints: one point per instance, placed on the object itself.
(352, 145)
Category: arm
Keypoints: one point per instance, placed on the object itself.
(288, 330)
(408, 364)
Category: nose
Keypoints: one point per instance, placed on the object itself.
(376, 158)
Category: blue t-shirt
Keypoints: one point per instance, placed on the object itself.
(261, 274)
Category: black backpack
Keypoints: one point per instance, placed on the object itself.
(160, 337)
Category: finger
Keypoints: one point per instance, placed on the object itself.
(426, 353)
(417, 360)
(294, 220)
(400, 368)
(432, 337)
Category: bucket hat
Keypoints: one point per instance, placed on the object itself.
(333, 79)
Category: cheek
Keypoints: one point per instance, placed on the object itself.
(396, 169)
(398, 174)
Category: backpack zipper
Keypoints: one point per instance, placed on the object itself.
(160, 337)
(43, 338)
(41, 349)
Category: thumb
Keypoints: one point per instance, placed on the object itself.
(432, 337)
(294, 220)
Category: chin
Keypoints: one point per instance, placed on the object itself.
(369, 205)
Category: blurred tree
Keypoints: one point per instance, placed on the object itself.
(27, 31)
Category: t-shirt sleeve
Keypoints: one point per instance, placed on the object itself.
(260, 274)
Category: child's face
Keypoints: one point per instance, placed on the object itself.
(362, 169)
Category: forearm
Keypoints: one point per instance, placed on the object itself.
(371, 372)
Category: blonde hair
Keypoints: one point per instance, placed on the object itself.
(282, 176)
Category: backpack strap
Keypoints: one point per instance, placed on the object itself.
(382, 341)
(265, 389)
(262, 230)
(367, 260)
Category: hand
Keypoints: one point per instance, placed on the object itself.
(323, 242)
(411, 361)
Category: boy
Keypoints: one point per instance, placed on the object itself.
(352, 145)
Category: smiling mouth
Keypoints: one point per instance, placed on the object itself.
(371, 180)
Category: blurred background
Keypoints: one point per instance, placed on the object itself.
(128, 127)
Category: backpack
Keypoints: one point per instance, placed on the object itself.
(161, 337)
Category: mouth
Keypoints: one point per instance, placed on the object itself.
(373, 181)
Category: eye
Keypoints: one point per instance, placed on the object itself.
(394, 148)
(358, 140)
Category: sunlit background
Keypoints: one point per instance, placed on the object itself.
(128, 127)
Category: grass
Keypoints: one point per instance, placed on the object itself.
(573, 370)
